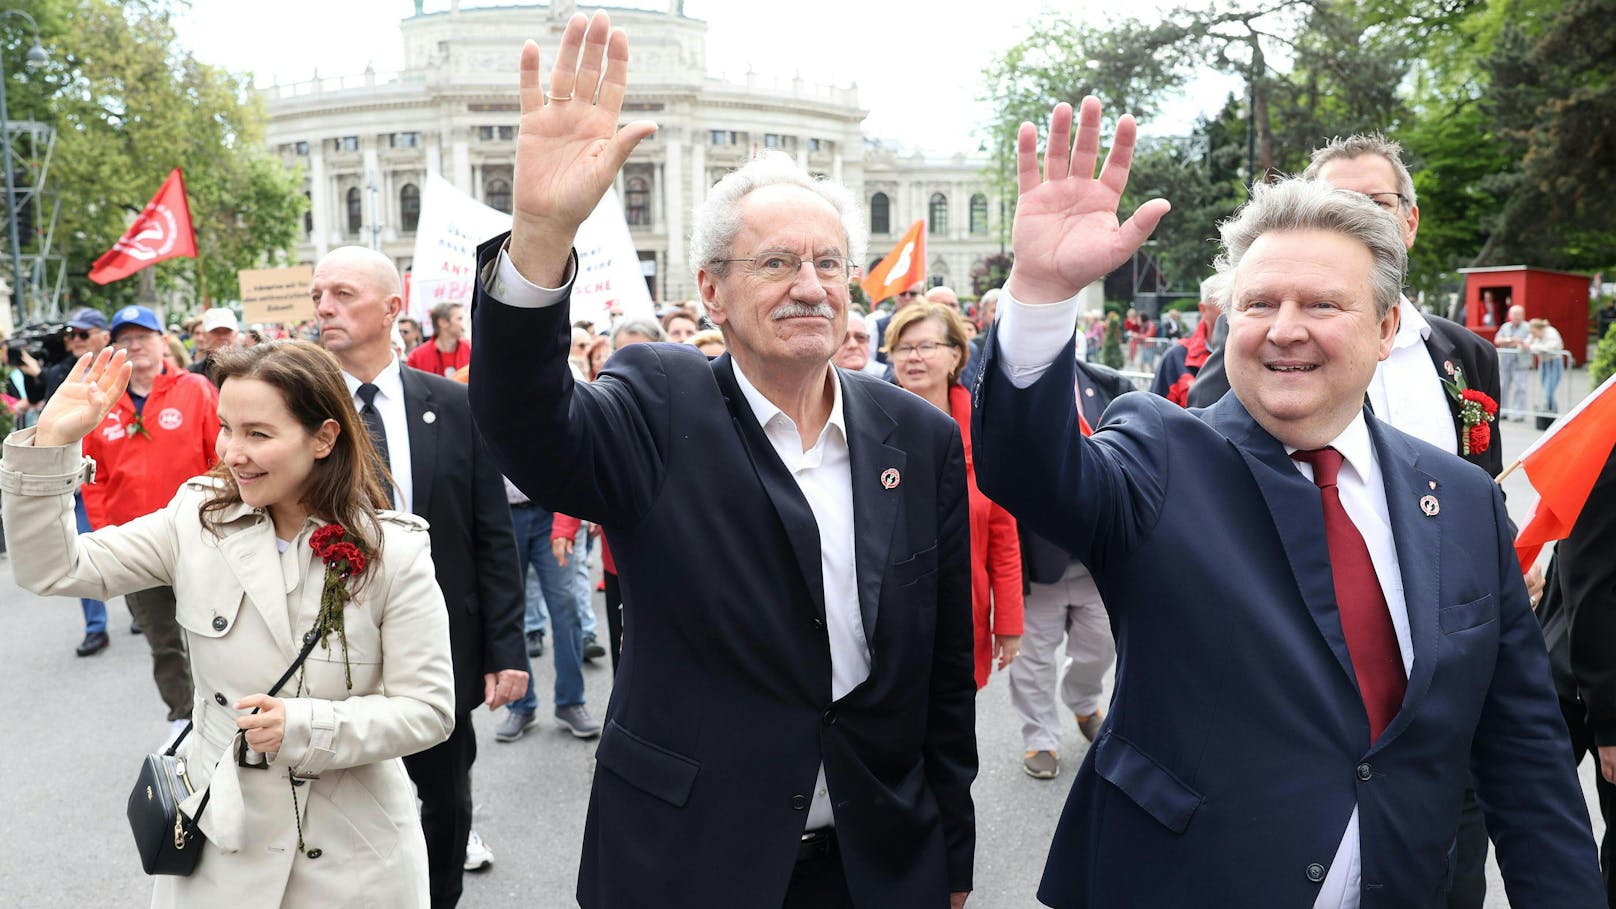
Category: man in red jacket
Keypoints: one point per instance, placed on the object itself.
(162, 432)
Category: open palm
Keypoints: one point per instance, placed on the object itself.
(569, 147)
(89, 393)
(1066, 233)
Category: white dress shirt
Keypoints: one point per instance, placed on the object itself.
(824, 475)
(390, 402)
(1406, 391)
(1030, 337)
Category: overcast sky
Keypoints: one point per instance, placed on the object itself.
(918, 69)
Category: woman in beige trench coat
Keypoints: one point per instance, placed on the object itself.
(235, 545)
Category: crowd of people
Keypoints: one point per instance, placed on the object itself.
(1330, 687)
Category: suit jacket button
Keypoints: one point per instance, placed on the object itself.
(1365, 772)
(314, 853)
(219, 699)
(1315, 872)
(799, 802)
(830, 718)
(220, 623)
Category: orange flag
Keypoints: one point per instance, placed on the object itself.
(1563, 466)
(904, 267)
(162, 231)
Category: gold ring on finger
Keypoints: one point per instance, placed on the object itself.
(550, 97)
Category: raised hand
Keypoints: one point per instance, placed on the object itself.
(569, 147)
(1066, 234)
(90, 392)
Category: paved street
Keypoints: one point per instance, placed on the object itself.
(75, 730)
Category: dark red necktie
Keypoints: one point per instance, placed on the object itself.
(1365, 619)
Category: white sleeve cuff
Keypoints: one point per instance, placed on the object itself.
(1031, 337)
(507, 285)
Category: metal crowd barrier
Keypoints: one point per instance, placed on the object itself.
(1538, 387)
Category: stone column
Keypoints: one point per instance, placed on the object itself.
(674, 279)
(319, 199)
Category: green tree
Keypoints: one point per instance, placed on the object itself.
(128, 105)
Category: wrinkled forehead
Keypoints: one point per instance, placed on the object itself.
(790, 218)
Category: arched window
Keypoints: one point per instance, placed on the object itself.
(356, 210)
(308, 213)
(979, 214)
(409, 207)
(637, 201)
(497, 194)
(880, 214)
(937, 214)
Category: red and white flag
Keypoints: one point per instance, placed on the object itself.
(1563, 465)
(163, 231)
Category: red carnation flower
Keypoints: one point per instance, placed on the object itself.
(325, 536)
(1480, 438)
(1488, 405)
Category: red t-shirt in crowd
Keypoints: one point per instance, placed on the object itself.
(428, 358)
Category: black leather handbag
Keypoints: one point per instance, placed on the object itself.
(168, 841)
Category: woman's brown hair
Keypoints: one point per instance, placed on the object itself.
(347, 486)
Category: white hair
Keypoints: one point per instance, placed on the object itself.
(1299, 204)
(1215, 289)
(718, 219)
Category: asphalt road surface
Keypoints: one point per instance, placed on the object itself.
(75, 730)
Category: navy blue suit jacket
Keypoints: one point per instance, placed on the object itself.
(721, 711)
(1237, 744)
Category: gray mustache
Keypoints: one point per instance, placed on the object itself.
(796, 310)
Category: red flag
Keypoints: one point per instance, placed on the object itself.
(163, 231)
(1563, 466)
(904, 267)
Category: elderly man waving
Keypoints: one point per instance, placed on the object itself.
(792, 722)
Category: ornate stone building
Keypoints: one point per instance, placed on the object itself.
(365, 143)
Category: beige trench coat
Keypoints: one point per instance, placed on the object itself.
(244, 607)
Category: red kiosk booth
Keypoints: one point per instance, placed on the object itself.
(1559, 296)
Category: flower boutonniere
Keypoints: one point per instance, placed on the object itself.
(343, 560)
(1476, 410)
(136, 427)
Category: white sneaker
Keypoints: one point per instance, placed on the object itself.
(174, 729)
(478, 856)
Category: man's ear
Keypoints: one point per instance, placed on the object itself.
(1388, 330)
(707, 286)
(1411, 226)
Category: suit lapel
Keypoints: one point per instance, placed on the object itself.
(1297, 510)
(423, 439)
(796, 517)
(875, 507)
(1418, 538)
(243, 550)
(1445, 359)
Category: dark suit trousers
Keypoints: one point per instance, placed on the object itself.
(442, 776)
(1582, 743)
(819, 883)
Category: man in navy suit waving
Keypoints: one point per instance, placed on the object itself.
(792, 721)
(1298, 700)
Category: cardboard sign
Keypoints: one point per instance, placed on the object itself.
(453, 224)
(271, 295)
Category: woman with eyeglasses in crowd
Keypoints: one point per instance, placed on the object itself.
(926, 344)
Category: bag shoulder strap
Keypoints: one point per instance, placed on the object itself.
(309, 640)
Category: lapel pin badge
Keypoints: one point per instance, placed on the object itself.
(429, 417)
(889, 478)
(1089, 392)
(1429, 505)
(1432, 483)
(1447, 365)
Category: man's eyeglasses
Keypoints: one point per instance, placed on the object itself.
(927, 349)
(784, 266)
(78, 334)
(859, 336)
(1388, 200)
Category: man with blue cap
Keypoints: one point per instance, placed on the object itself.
(161, 433)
